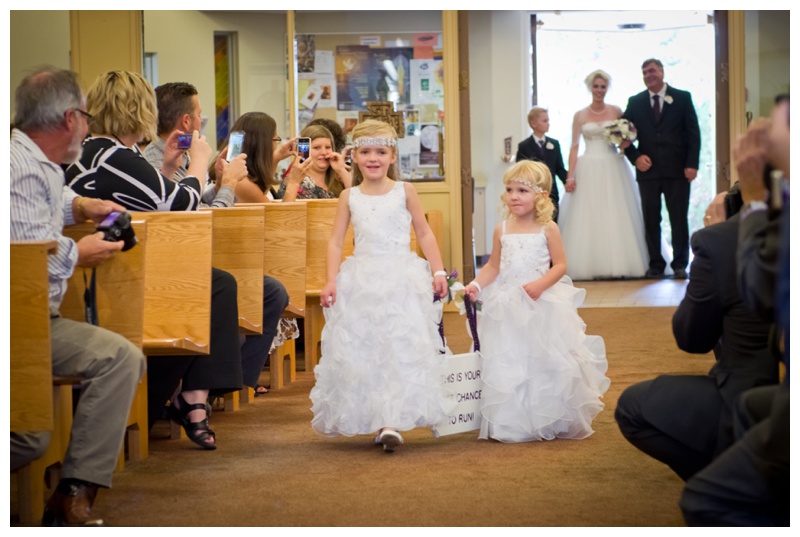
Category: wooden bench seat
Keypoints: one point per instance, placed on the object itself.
(30, 367)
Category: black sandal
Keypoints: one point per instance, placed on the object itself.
(197, 431)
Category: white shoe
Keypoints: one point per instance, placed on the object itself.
(390, 440)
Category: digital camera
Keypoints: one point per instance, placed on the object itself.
(117, 227)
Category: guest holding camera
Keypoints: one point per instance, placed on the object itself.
(322, 175)
(122, 108)
(686, 421)
(51, 121)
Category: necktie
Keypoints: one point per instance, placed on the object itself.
(541, 146)
(656, 109)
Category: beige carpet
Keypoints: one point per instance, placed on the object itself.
(272, 470)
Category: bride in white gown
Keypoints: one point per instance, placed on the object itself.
(601, 216)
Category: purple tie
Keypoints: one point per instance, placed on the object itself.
(656, 109)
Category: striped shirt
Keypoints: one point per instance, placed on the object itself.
(109, 170)
(41, 205)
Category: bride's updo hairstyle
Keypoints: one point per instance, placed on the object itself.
(599, 73)
(537, 177)
(374, 132)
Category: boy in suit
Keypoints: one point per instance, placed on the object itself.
(541, 148)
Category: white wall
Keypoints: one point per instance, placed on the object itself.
(184, 43)
(499, 73)
(31, 48)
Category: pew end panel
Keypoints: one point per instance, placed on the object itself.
(238, 248)
(177, 296)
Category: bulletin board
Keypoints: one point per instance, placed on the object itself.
(338, 74)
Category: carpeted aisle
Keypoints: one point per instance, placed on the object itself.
(272, 470)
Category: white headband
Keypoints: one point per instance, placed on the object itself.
(528, 184)
(389, 142)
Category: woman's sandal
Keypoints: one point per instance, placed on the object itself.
(260, 390)
(197, 431)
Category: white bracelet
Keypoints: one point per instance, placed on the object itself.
(476, 284)
(440, 273)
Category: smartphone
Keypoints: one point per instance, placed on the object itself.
(303, 148)
(235, 141)
(184, 141)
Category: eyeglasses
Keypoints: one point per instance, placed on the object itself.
(86, 114)
(277, 139)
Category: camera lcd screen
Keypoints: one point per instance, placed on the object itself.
(113, 215)
(184, 141)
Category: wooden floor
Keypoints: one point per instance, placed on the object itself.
(633, 293)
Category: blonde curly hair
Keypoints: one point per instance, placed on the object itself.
(122, 103)
(536, 174)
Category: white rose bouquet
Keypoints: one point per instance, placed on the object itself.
(619, 131)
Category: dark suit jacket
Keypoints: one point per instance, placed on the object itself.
(757, 267)
(528, 149)
(673, 143)
(712, 313)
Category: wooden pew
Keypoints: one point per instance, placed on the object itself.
(120, 284)
(320, 217)
(177, 287)
(237, 248)
(321, 214)
(31, 373)
(177, 294)
(285, 258)
(30, 368)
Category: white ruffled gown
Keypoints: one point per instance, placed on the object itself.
(601, 222)
(544, 377)
(381, 364)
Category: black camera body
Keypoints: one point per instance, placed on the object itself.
(117, 227)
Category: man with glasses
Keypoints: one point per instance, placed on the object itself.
(50, 125)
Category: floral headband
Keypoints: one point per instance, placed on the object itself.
(528, 184)
(364, 141)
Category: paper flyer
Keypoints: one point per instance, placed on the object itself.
(427, 82)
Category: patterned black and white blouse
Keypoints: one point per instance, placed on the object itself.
(108, 169)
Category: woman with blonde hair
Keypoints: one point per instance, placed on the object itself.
(600, 188)
(322, 175)
(122, 110)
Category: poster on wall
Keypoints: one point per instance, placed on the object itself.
(390, 74)
(305, 53)
(429, 145)
(427, 81)
(352, 77)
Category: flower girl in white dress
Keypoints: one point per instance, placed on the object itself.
(381, 364)
(543, 375)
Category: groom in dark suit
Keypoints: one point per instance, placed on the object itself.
(541, 148)
(666, 157)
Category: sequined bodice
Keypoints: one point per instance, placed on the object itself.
(594, 138)
(382, 224)
(524, 257)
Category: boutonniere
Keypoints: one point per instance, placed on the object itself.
(549, 145)
(668, 99)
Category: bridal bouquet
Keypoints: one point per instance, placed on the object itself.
(619, 131)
